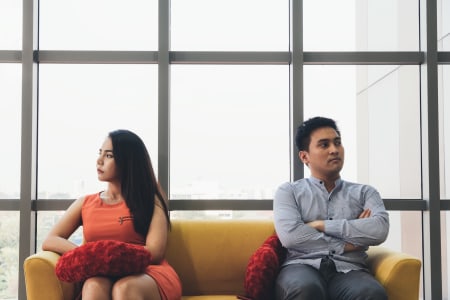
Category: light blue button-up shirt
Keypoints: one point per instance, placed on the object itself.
(306, 200)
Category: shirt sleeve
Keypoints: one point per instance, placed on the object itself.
(363, 232)
(293, 232)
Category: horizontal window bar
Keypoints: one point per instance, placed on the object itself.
(96, 57)
(445, 204)
(276, 58)
(217, 57)
(10, 56)
(363, 58)
(405, 204)
(443, 58)
(222, 204)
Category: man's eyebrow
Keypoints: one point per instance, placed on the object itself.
(324, 140)
(338, 138)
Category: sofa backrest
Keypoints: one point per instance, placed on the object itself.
(211, 256)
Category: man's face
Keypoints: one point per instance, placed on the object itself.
(325, 156)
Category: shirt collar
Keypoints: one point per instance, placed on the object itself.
(320, 182)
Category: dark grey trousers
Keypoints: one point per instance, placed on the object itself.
(303, 282)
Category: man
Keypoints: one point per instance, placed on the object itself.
(327, 224)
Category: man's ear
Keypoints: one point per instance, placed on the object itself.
(303, 155)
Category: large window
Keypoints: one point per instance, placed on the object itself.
(98, 25)
(378, 111)
(443, 25)
(10, 25)
(10, 112)
(229, 25)
(444, 84)
(9, 254)
(229, 131)
(383, 25)
(216, 90)
(78, 106)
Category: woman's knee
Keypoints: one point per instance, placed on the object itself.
(97, 288)
(136, 288)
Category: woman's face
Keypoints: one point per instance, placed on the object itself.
(106, 165)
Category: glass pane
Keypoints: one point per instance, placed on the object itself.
(10, 25)
(445, 249)
(404, 232)
(45, 222)
(361, 25)
(443, 23)
(98, 25)
(10, 126)
(9, 254)
(79, 105)
(378, 111)
(444, 95)
(229, 131)
(230, 25)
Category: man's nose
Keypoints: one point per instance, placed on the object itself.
(334, 148)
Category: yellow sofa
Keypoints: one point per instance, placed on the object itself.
(211, 258)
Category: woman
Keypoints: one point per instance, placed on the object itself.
(132, 209)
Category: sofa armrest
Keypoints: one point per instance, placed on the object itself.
(398, 272)
(41, 281)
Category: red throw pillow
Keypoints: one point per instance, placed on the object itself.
(263, 268)
(102, 258)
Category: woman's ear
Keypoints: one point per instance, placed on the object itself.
(303, 155)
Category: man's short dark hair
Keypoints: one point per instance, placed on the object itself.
(303, 136)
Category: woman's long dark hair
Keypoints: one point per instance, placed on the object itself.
(138, 181)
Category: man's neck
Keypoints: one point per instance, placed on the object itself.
(328, 182)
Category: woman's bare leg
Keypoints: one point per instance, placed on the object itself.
(136, 287)
(97, 288)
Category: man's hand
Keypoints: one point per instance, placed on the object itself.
(350, 247)
(365, 214)
(319, 225)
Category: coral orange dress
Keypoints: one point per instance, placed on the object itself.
(114, 222)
